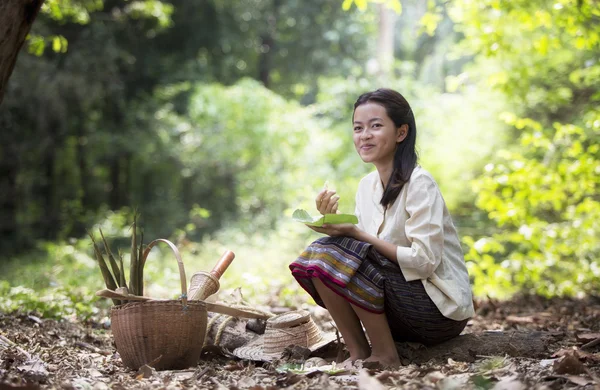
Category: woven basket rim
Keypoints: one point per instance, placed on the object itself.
(161, 302)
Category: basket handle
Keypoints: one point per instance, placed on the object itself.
(179, 263)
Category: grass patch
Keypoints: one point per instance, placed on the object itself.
(60, 279)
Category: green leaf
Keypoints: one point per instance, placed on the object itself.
(330, 369)
(303, 216)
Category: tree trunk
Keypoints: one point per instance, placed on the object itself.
(115, 191)
(268, 46)
(16, 18)
(52, 221)
(9, 169)
(466, 348)
(385, 41)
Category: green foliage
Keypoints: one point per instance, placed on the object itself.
(57, 303)
(74, 11)
(546, 52)
(541, 193)
(79, 12)
(396, 5)
(544, 200)
(37, 283)
(216, 118)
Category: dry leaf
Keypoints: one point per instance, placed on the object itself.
(579, 380)
(452, 382)
(587, 337)
(520, 320)
(569, 364)
(509, 383)
(246, 382)
(385, 375)
(434, 377)
(144, 371)
(26, 386)
(547, 362)
(368, 382)
(234, 366)
(34, 369)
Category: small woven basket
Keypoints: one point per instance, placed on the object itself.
(166, 334)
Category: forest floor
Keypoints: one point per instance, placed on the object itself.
(43, 353)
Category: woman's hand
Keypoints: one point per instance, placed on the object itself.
(327, 202)
(338, 229)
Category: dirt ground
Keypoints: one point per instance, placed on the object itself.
(42, 353)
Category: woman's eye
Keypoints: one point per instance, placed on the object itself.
(377, 125)
(357, 129)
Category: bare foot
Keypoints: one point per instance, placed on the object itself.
(384, 361)
(349, 363)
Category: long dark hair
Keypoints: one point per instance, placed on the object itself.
(405, 158)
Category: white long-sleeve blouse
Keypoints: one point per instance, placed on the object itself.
(419, 223)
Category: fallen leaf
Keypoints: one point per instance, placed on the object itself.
(434, 377)
(509, 383)
(547, 362)
(246, 382)
(452, 382)
(288, 379)
(26, 386)
(520, 320)
(234, 366)
(569, 364)
(144, 371)
(368, 382)
(34, 368)
(93, 373)
(587, 337)
(35, 319)
(385, 375)
(579, 380)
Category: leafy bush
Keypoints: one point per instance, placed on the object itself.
(58, 303)
(544, 202)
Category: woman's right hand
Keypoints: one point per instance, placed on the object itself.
(327, 202)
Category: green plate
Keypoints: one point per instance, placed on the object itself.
(303, 216)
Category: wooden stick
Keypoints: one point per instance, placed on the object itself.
(591, 344)
(214, 307)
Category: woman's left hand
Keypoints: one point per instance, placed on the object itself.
(336, 230)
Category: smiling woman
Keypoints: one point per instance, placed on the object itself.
(399, 272)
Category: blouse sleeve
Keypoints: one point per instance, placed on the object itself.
(357, 210)
(424, 229)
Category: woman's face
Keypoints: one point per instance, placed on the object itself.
(376, 135)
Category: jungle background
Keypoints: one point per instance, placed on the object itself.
(215, 119)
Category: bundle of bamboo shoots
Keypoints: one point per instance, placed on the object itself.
(116, 279)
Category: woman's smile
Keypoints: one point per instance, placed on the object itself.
(367, 147)
(375, 135)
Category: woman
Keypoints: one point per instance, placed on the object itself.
(400, 272)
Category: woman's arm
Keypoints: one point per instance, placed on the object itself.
(387, 249)
(424, 229)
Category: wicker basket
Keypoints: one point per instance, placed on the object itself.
(166, 334)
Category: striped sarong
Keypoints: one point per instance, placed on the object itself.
(362, 276)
